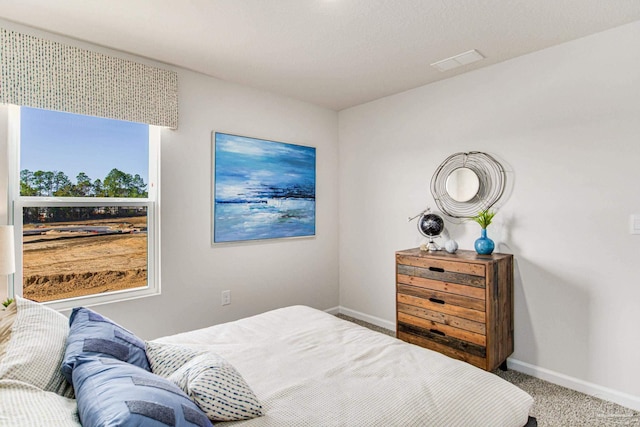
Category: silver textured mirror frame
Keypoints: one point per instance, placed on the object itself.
(491, 184)
(462, 184)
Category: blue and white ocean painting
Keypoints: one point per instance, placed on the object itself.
(263, 189)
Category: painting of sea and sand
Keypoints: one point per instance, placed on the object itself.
(262, 189)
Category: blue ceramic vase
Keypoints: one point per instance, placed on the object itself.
(484, 245)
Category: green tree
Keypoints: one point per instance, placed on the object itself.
(43, 182)
(138, 187)
(47, 183)
(117, 183)
(98, 188)
(83, 187)
(60, 184)
(26, 183)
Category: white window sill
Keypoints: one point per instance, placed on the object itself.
(100, 299)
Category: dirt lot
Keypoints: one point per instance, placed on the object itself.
(66, 264)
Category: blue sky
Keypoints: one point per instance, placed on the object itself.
(246, 166)
(71, 143)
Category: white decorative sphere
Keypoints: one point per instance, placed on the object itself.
(451, 246)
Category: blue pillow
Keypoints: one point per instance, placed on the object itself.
(114, 393)
(93, 334)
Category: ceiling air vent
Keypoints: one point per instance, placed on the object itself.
(458, 60)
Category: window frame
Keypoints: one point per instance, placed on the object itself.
(152, 203)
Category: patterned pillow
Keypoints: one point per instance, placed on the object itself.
(36, 347)
(165, 359)
(94, 334)
(217, 388)
(209, 380)
(26, 405)
(115, 393)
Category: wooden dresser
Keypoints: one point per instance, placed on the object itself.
(457, 304)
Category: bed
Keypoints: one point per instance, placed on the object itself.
(309, 368)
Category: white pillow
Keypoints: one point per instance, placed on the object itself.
(208, 379)
(25, 405)
(36, 348)
(7, 317)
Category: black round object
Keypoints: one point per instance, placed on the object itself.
(430, 225)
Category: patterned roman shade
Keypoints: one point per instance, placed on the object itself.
(39, 73)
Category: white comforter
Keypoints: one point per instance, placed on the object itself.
(310, 368)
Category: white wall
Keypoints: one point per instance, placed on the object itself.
(261, 276)
(565, 122)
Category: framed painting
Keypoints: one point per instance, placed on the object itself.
(262, 189)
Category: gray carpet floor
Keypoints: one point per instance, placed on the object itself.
(556, 406)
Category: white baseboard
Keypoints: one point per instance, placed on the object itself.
(623, 399)
(367, 318)
(333, 310)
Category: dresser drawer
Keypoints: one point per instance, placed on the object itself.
(438, 285)
(441, 275)
(478, 327)
(479, 361)
(453, 310)
(443, 271)
(443, 340)
(442, 298)
(442, 329)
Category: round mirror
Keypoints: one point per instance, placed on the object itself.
(467, 183)
(462, 184)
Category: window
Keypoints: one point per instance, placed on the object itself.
(85, 193)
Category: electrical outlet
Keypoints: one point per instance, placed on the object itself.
(226, 297)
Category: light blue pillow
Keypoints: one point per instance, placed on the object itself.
(93, 334)
(110, 392)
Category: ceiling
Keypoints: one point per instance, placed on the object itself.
(333, 53)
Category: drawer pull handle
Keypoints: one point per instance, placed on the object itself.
(439, 270)
(436, 300)
(437, 332)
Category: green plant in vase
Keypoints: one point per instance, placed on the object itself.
(6, 303)
(484, 245)
(484, 218)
